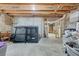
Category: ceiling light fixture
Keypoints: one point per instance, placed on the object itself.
(33, 7)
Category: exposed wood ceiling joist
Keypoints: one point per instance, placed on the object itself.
(64, 4)
(36, 13)
(39, 15)
(33, 12)
(37, 9)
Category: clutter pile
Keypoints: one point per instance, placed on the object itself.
(71, 43)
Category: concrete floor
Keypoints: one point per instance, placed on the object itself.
(45, 47)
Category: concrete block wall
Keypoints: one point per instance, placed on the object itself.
(3, 26)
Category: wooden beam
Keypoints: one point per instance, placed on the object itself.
(38, 15)
(42, 12)
(66, 11)
(62, 4)
(26, 6)
(0, 11)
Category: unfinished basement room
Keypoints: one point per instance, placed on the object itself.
(39, 29)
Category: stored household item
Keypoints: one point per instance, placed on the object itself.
(26, 34)
(3, 47)
(72, 49)
(5, 36)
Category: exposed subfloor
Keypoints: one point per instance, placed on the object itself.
(45, 47)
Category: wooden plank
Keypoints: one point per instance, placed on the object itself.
(39, 15)
(64, 4)
(37, 6)
(42, 12)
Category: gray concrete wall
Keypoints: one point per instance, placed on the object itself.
(30, 21)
